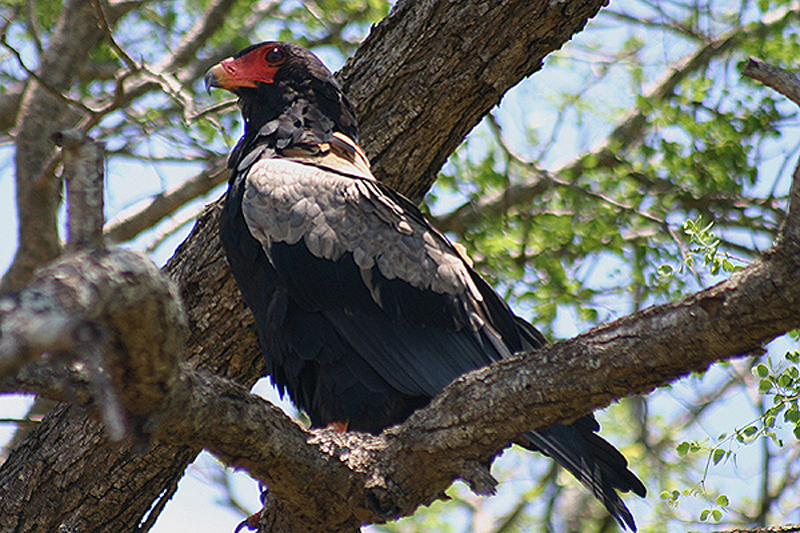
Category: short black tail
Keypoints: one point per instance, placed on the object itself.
(592, 460)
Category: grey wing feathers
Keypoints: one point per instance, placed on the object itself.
(287, 200)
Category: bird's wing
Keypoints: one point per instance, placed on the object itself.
(395, 289)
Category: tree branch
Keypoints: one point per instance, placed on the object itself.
(40, 114)
(83, 174)
(446, 78)
(787, 84)
(380, 478)
(781, 80)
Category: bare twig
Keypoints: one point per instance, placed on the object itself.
(34, 28)
(197, 35)
(163, 204)
(44, 83)
(226, 104)
(106, 27)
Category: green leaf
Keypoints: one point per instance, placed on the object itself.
(683, 448)
(749, 431)
(761, 370)
(717, 455)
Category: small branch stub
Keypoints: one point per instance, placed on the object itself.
(83, 174)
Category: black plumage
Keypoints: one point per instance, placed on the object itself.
(364, 311)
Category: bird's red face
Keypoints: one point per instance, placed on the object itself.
(267, 77)
(248, 68)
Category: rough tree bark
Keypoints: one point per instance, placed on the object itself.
(103, 486)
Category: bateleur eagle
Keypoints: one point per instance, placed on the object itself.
(364, 311)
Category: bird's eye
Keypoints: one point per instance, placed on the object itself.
(275, 56)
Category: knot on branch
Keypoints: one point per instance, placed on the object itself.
(116, 319)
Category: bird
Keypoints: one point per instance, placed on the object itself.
(364, 311)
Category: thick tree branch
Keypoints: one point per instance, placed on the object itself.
(86, 310)
(83, 174)
(781, 80)
(775, 529)
(447, 70)
(114, 300)
(380, 478)
(476, 416)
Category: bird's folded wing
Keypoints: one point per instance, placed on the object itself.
(395, 289)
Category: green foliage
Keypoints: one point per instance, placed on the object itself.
(782, 384)
(708, 514)
(696, 157)
(706, 244)
(692, 196)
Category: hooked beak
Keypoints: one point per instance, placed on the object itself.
(215, 77)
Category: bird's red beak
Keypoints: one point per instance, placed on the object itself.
(233, 73)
